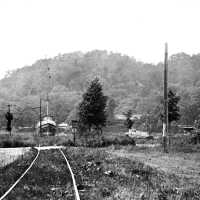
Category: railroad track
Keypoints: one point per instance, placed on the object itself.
(48, 175)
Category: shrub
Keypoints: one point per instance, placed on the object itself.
(121, 140)
(14, 143)
(67, 143)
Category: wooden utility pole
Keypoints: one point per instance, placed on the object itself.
(165, 120)
(48, 91)
(9, 105)
(74, 129)
(40, 115)
(9, 117)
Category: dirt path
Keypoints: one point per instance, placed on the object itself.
(8, 155)
(185, 165)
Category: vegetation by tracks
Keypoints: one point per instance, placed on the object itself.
(99, 175)
(9, 155)
(106, 176)
(49, 178)
(11, 172)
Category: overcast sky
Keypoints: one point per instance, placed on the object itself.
(31, 29)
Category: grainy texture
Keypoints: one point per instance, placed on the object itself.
(49, 178)
(8, 155)
(104, 175)
(107, 173)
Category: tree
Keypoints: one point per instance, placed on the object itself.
(92, 113)
(9, 118)
(128, 122)
(110, 108)
(173, 108)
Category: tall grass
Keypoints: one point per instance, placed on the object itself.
(16, 140)
(128, 179)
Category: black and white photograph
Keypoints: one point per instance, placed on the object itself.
(99, 100)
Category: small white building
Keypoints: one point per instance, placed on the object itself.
(136, 116)
(120, 116)
(137, 134)
(123, 117)
(48, 126)
(64, 126)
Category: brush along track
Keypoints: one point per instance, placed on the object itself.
(19, 179)
(48, 178)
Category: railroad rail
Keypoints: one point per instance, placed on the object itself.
(19, 179)
(72, 175)
(39, 149)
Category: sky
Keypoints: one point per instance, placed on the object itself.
(35, 29)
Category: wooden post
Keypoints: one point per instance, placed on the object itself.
(165, 120)
(74, 129)
(40, 115)
(9, 112)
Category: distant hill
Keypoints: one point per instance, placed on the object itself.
(133, 85)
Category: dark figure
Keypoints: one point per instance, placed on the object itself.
(129, 123)
(9, 117)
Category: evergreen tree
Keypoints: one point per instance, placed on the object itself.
(128, 121)
(173, 108)
(110, 108)
(92, 111)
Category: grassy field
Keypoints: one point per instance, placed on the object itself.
(121, 170)
(12, 171)
(117, 174)
(9, 155)
(49, 178)
(112, 173)
(17, 139)
(30, 139)
(184, 165)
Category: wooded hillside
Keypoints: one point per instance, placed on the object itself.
(132, 85)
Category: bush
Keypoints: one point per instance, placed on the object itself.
(67, 143)
(14, 143)
(186, 144)
(126, 141)
(6, 144)
(106, 142)
(121, 140)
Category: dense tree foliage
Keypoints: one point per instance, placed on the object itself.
(133, 85)
(92, 112)
(173, 108)
(110, 109)
(128, 121)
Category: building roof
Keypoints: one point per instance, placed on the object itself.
(45, 121)
(123, 117)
